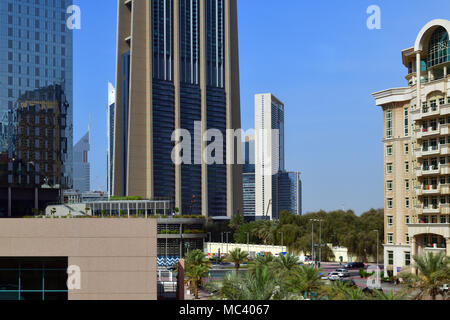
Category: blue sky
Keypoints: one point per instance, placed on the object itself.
(318, 57)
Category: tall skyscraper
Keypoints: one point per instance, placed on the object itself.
(177, 64)
(290, 192)
(269, 154)
(110, 127)
(81, 165)
(35, 53)
(248, 178)
(417, 151)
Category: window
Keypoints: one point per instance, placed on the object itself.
(407, 238)
(406, 166)
(407, 258)
(389, 185)
(389, 150)
(407, 220)
(407, 185)
(391, 258)
(443, 219)
(389, 168)
(390, 203)
(406, 113)
(390, 238)
(390, 221)
(406, 148)
(407, 203)
(389, 124)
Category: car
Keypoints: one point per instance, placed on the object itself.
(334, 276)
(325, 277)
(355, 265)
(444, 288)
(343, 273)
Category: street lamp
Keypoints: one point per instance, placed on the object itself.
(248, 242)
(378, 238)
(312, 240)
(281, 237)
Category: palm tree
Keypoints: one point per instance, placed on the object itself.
(306, 279)
(391, 295)
(193, 278)
(286, 262)
(262, 284)
(433, 272)
(341, 291)
(196, 265)
(237, 257)
(261, 262)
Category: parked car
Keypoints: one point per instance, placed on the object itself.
(325, 277)
(343, 273)
(333, 276)
(355, 265)
(444, 288)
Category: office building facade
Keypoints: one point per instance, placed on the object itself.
(416, 143)
(35, 53)
(290, 192)
(177, 66)
(111, 111)
(81, 165)
(248, 178)
(269, 154)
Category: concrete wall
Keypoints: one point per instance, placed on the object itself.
(117, 257)
(213, 248)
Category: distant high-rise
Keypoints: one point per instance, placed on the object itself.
(290, 192)
(248, 177)
(177, 64)
(81, 165)
(35, 53)
(269, 154)
(110, 127)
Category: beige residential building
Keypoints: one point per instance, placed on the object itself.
(417, 151)
(177, 68)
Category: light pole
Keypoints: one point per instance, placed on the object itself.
(312, 241)
(210, 241)
(377, 271)
(320, 242)
(248, 242)
(227, 233)
(281, 237)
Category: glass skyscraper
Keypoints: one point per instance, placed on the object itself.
(290, 192)
(35, 53)
(177, 67)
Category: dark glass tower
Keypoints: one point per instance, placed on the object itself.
(177, 66)
(35, 52)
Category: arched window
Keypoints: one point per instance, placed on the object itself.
(438, 51)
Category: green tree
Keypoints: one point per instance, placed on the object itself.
(286, 263)
(259, 285)
(238, 257)
(433, 272)
(306, 280)
(236, 222)
(196, 266)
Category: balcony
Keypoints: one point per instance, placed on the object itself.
(428, 171)
(442, 229)
(431, 151)
(431, 190)
(427, 132)
(445, 129)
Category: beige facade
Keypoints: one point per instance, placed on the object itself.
(116, 257)
(151, 31)
(416, 151)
